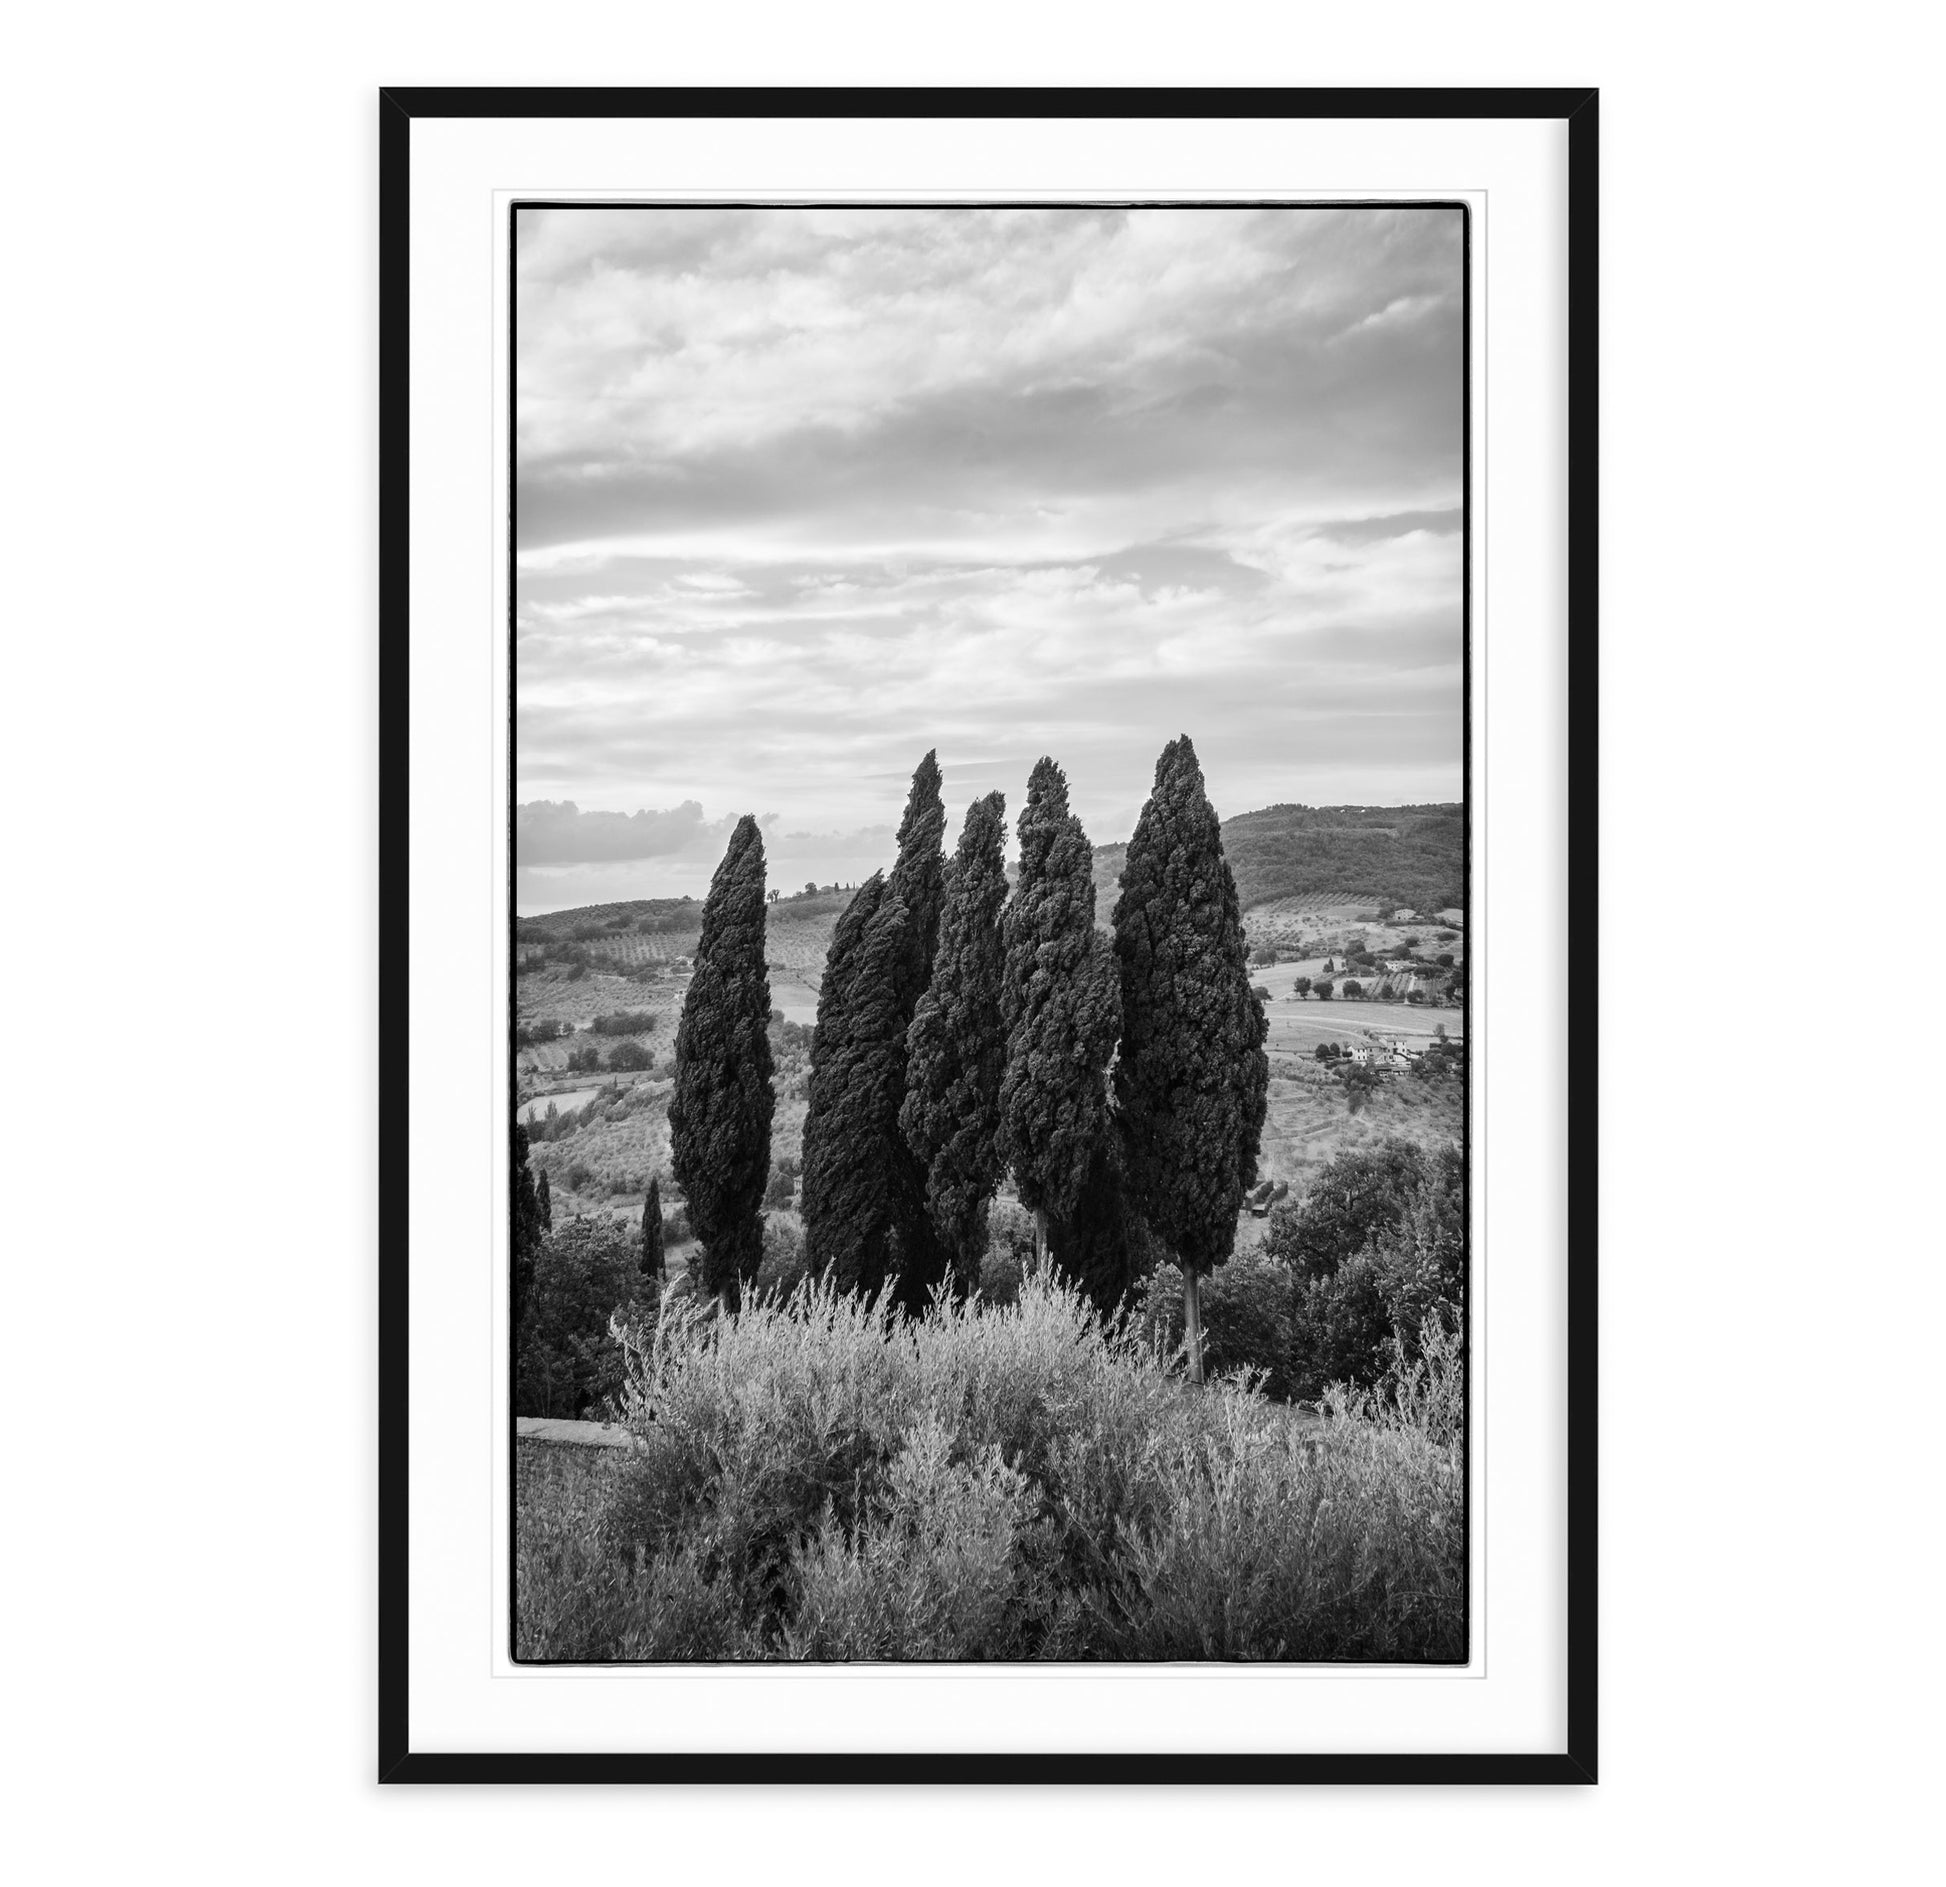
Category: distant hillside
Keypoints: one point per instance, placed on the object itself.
(1409, 855)
(675, 912)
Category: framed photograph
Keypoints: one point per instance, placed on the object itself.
(988, 959)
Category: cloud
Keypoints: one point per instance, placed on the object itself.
(549, 832)
(801, 494)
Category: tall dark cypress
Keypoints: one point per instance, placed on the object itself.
(857, 1064)
(720, 1113)
(919, 878)
(544, 1199)
(865, 1210)
(654, 1264)
(919, 1256)
(1099, 1243)
(956, 1048)
(1062, 1006)
(1192, 1080)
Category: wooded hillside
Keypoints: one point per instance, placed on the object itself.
(1408, 855)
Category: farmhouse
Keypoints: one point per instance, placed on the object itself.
(1385, 1051)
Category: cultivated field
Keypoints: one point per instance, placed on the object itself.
(1325, 926)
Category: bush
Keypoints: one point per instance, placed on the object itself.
(1264, 953)
(565, 1361)
(625, 1022)
(824, 1480)
(1009, 1253)
(585, 1060)
(630, 1058)
(783, 1268)
(780, 1189)
(1376, 1248)
(789, 1036)
(1246, 1318)
(1361, 1081)
(1259, 991)
(528, 1034)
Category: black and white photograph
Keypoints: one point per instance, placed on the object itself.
(989, 932)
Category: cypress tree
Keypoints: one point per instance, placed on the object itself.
(1192, 1080)
(544, 1199)
(1099, 1244)
(919, 1256)
(956, 1048)
(856, 1067)
(919, 879)
(1062, 1002)
(654, 1265)
(719, 1115)
(865, 1215)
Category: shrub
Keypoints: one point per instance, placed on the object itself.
(1376, 1248)
(783, 1268)
(566, 1363)
(1010, 1252)
(932, 1576)
(1361, 1081)
(625, 1022)
(826, 1480)
(1246, 1318)
(779, 1191)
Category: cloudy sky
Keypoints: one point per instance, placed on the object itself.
(803, 493)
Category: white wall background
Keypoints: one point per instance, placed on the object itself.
(189, 697)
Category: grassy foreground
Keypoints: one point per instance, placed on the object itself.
(817, 1480)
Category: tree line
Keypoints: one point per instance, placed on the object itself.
(966, 1033)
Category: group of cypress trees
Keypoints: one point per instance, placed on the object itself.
(964, 1033)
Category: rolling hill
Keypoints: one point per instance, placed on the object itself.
(1409, 855)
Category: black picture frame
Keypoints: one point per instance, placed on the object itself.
(1578, 108)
